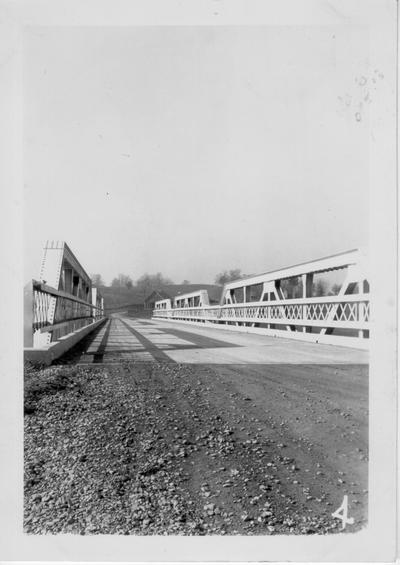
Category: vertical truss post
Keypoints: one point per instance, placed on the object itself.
(361, 309)
(307, 284)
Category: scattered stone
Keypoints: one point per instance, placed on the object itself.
(122, 450)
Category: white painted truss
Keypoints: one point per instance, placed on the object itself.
(163, 304)
(63, 301)
(286, 302)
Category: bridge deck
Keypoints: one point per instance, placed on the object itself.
(138, 340)
(213, 413)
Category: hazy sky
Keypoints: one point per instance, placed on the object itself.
(190, 150)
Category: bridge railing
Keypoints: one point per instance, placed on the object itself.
(209, 313)
(349, 312)
(325, 300)
(54, 313)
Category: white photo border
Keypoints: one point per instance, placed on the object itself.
(378, 541)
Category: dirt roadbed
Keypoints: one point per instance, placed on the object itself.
(158, 448)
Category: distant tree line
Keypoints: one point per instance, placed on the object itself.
(122, 281)
(145, 284)
(228, 276)
(97, 280)
(148, 282)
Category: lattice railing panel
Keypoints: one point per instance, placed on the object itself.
(41, 306)
(58, 313)
(350, 312)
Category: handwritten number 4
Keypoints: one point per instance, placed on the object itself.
(341, 513)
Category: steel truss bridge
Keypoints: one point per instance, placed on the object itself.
(61, 308)
(323, 301)
(285, 303)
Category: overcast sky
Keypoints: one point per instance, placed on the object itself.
(190, 150)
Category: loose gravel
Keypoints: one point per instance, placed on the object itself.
(151, 448)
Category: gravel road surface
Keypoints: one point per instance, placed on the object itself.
(156, 448)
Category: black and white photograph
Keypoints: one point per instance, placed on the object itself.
(199, 257)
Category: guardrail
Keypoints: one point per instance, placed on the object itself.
(51, 313)
(318, 315)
